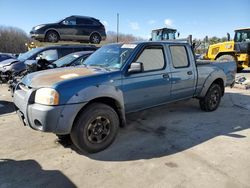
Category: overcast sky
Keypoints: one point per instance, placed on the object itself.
(197, 17)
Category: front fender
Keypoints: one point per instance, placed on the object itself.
(93, 92)
(217, 74)
(81, 99)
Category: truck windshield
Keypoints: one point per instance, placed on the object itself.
(242, 36)
(28, 54)
(111, 56)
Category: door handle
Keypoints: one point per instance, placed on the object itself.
(165, 75)
(189, 72)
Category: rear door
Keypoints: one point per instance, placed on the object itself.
(183, 72)
(85, 27)
(64, 51)
(150, 87)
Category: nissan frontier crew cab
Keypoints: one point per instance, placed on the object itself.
(89, 102)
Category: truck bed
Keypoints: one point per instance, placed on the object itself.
(229, 68)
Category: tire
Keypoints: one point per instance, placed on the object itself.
(95, 128)
(52, 36)
(239, 69)
(212, 99)
(95, 38)
(226, 58)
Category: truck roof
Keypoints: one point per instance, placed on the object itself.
(246, 28)
(160, 42)
(164, 28)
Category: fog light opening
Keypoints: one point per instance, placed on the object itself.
(37, 123)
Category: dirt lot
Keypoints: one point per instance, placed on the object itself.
(175, 145)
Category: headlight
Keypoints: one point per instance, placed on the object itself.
(47, 96)
(38, 27)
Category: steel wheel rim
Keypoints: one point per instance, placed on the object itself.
(98, 130)
(214, 99)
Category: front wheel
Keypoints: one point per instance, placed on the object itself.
(95, 128)
(212, 98)
(52, 36)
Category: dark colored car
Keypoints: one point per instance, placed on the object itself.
(73, 28)
(4, 56)
(73, 59)
(49, 53)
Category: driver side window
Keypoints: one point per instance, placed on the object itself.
(49, 55)
(69, 21)
(152, 58)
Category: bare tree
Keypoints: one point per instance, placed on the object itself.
(12, 40)
(112, 37)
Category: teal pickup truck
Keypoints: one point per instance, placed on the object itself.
(90, 102)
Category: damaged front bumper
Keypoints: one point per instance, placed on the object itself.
(57, 119)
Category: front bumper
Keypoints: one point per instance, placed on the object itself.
(4, 74)
(57, 119)
(36, 35)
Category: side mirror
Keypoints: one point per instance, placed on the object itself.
(135, 67)
(39, 57)
(65, 22)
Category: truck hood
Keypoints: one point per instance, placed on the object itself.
(48, 78)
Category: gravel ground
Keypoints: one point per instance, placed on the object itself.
(175, 145)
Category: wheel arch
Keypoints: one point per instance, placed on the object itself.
(225, 53)
(217, 77)
(220, 82)
(51, 29)
(113, 103)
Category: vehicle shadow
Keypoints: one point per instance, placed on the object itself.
(173, 128)
(6, 107)
(28, 173)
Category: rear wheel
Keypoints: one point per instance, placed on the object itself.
(212, 98)
(52, 36)
(229, 58)
(95, 128)
(226, 58)
(239, 69)
(95, 38)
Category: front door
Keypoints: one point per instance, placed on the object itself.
(68, 29)
(151, 86)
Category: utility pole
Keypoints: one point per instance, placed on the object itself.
(117, 31)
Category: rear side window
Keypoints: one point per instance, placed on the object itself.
(152, 58)
(65, 51)
(83, 21)
(179, 56)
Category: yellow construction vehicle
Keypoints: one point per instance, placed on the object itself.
(31, 45)
(237, 49)
(163, 34)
